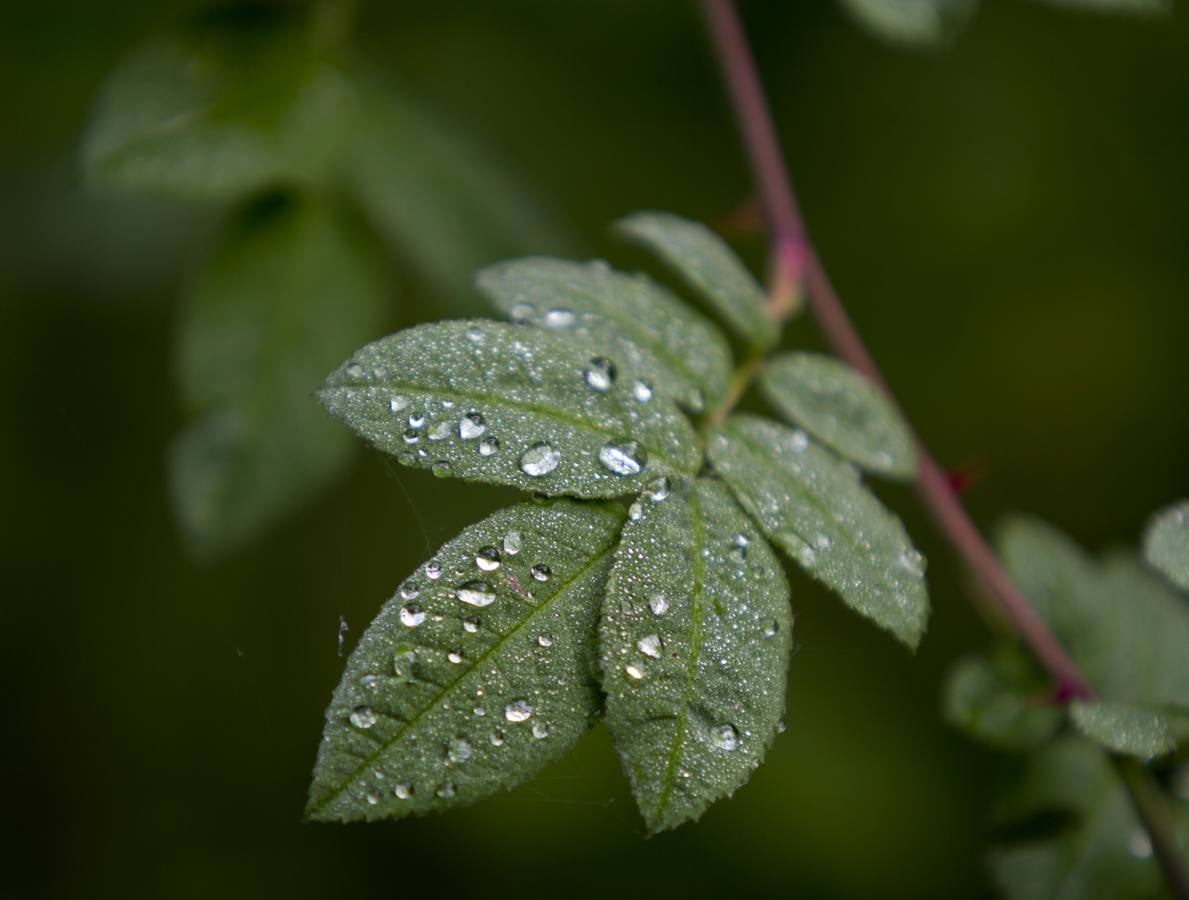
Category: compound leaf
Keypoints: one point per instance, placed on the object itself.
(985, 698)
(911, 21)
(694, 643)
(1123, 727)
(1166, 543)
(1100, 852)
(238, 103)
(288, 292)
(476, 673)
(815, 508)
(489, 401)
(708, 266)
(840, 407)
(632, 316)
(435, 195)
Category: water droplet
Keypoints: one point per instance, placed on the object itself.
(724, 737)
(458, 750)
(411, 435)
(442, 468)
(416, 420)
(397, 403)
(799, 441)
(559, 317)
(518, 711)
(634, 671)
(642, 391)
(479, 711)
(488, 446)
(544, 640)
(411, 615)
(433, 571)
(823, 542)
(363, 717)
(780, 725)
(740, 541)
(771, 628)
(636, 511)
(455, 655)
(475, 593)
(541, 572)
(657, 489)
(371, 682)
(623, 457)
(497, 739)
(373, 797)
(446, 791)
(539, 459)
(355, 370)
(410, 590)
(658, 604)
(1140, 844)
(471, 426)
(512, 543)
(540, 730)
(471, 625)
(440, 432)
(599, 374)
(403, 658)
(488, 559)
(650, 645)
(912, 562)
(521, 312)
(403, 790)
(447, 404)
(474, 334)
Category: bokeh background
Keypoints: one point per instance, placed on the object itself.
(1007, 218)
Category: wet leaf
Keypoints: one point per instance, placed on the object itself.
(476, 673)
(840, 407)
(709, 266)
(694, 643)
(816, 509)
(630, 315)
(1166, 543)
(992, 702)
(488, 401)
(289, 291)
(238, 103)
(1123, 727)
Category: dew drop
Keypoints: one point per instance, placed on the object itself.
(471, 426)
(642, 391)
(479, 711)
(599, 374)
(488, 559)
(442, 468)
(518, 711)
(634, 671)
(650, 645)
(636, 511)
(799, 441)
(373, 797)
(396, 403)
(433, 571)
(411, 435)
(497, 739)
(488, 446)
(623, 457)
(416, 420)
(912, 562)
(363, 717)
(410, 590)
(455, 656)
(544, 640)
(440, 432)
(471, 625)
(724, 737)
(458, 750)
(540, 730)
(559, 317)
(411, 615)
(371, 682)
(780, 725)
(475, 593)
(541, 572)
(521, 312)
(823, 542)
(446, 791)
(355, 370)
(539, 459)
(474, 334)
(658, 604)
(771, 628)
(512, 543)
(403, 790)
(657, 489)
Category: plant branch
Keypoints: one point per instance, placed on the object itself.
(794, 258)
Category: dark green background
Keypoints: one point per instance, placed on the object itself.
(1007, 219)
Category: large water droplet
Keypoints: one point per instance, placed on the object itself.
(411, 615)
(658, 604)
(518, 711)
(724, 737)
(634, 671)
(488, 559)
(433, 571)
(488, 446)
(623, 457)
(363, 717)
(599, 374)
(539, 459)
(512, 543)
(541, 572)
(650, 645)
(471, 426)
(475, 593)
(416, 420)
(455, 656)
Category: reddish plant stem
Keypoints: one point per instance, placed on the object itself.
(794, 259)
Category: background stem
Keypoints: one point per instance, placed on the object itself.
(794, 258)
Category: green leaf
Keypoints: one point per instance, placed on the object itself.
(631, 316)
(478, 672)
(708, 266)
(1123, 727)
(912, 21)
(238, 103)
(287, 293)
(985, 699)
(436, 195)
(816, 509)
(1100, 853)
(694, 643)
(839, 406)
(1126, 628)
(488, 401)
(1166, 543)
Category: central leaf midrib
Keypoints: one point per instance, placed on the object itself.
(350, 778)
(696, 638)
